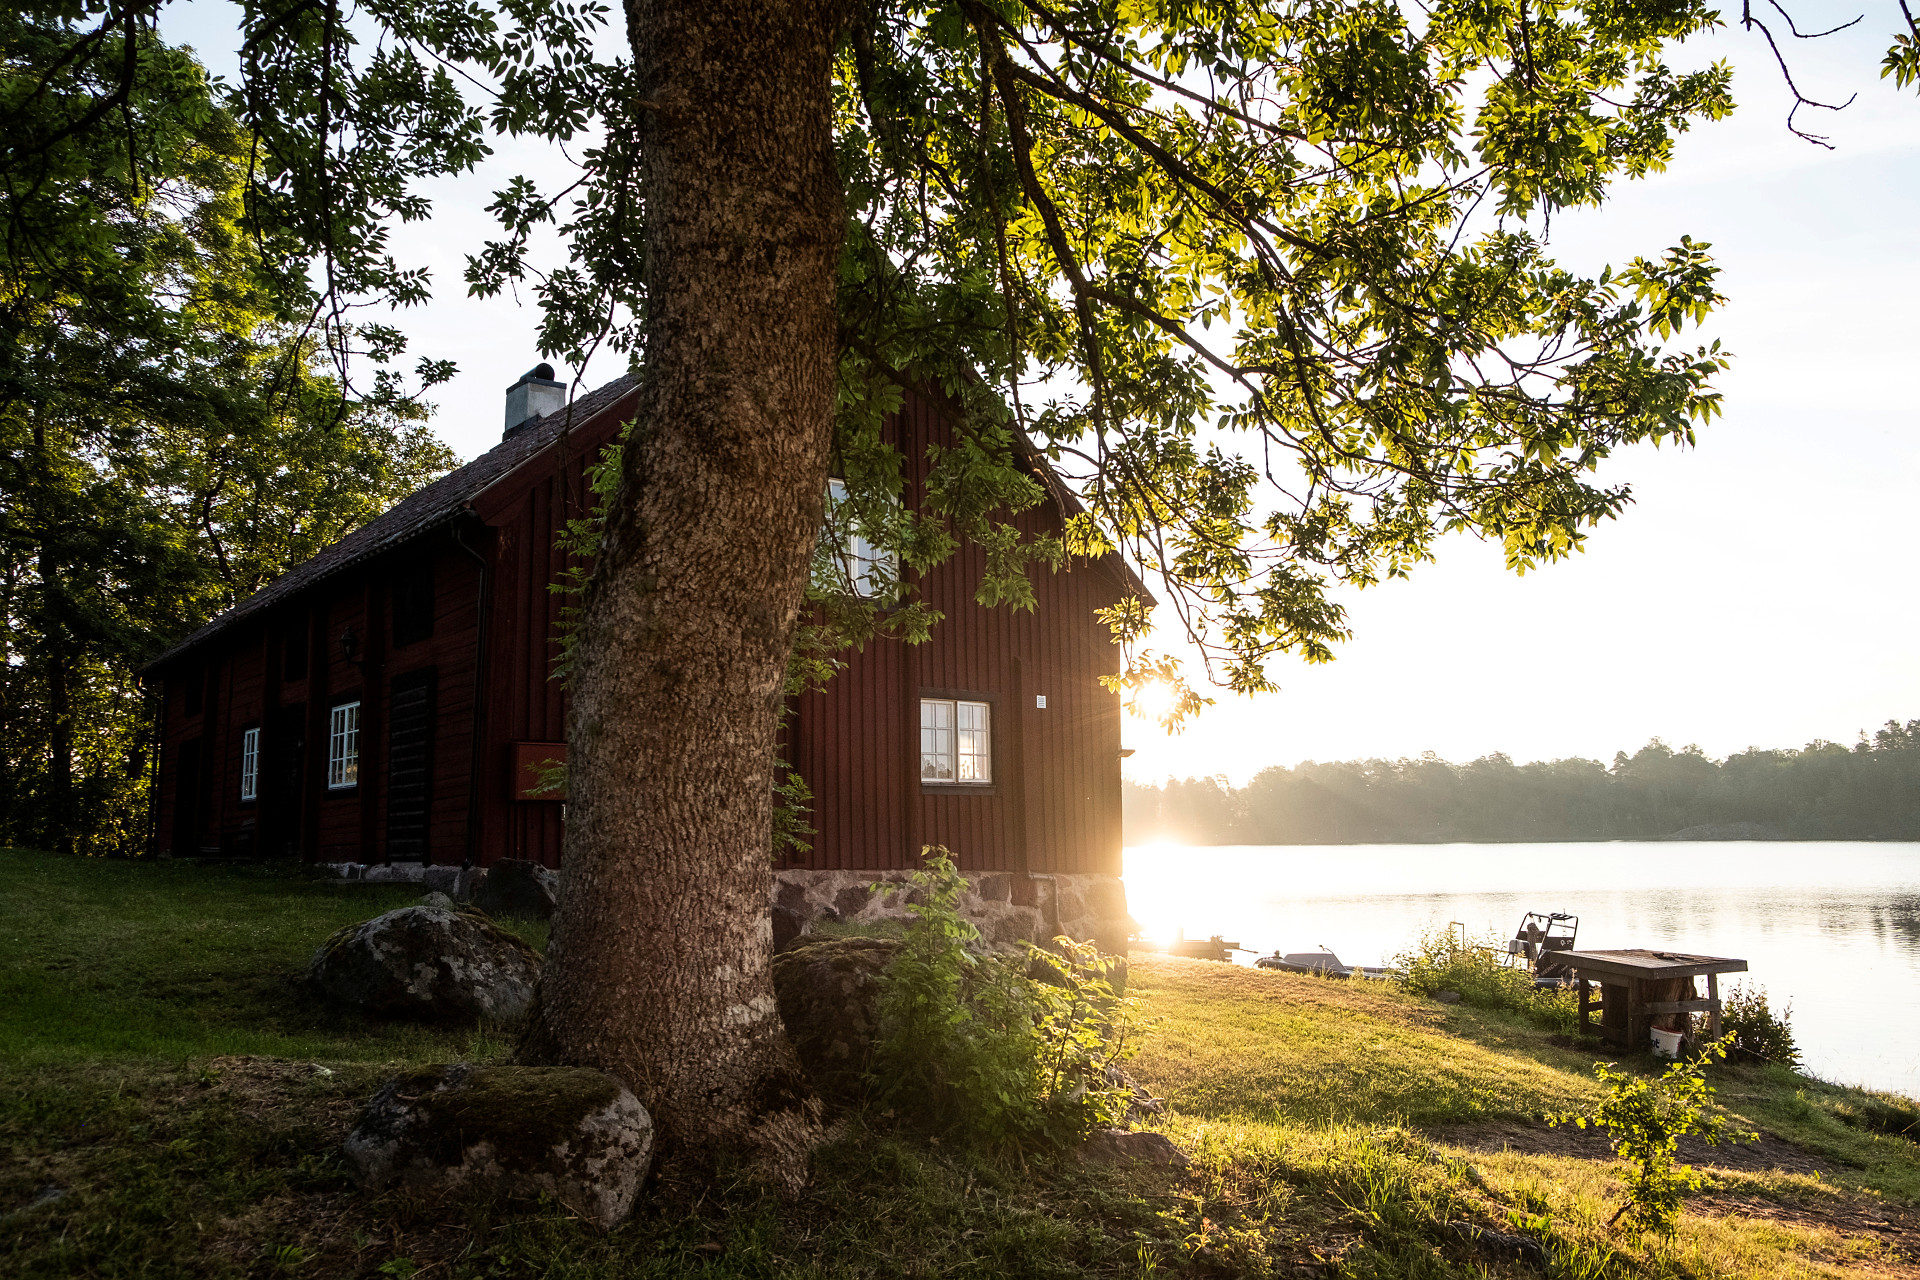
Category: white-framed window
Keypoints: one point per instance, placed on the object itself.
(956, 741)
(869, 570)
(250, 765)
(343, 747)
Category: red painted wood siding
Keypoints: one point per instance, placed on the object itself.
(249, 687)
(1054, 804)
(1055, 801)
(526, 514)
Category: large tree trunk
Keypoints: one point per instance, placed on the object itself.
(659, 971)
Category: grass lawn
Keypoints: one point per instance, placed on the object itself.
(171, 1106)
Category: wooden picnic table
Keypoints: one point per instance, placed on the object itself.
(1640, 986)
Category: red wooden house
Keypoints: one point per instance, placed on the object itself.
(386, 700)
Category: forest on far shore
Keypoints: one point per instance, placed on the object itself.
(1869, 791)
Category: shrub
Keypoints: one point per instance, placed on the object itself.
(1082, 1032)
(1436, 962)
(971, 1046)
(1645, 1118)
(1759, 1034)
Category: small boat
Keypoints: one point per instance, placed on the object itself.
(1322, 962)
(1214, 948)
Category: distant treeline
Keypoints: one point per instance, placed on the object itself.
(1870, 791)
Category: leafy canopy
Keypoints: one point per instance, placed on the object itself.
(169, 439)
(1258, 279)
(1266, 282)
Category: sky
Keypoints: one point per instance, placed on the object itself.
(1761, 590)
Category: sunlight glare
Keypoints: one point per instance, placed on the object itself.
(1157, 891)
(1153, 701)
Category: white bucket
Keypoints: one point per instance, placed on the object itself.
(1666, 1044)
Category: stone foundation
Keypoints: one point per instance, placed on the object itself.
(458, 883)
(1007, 907)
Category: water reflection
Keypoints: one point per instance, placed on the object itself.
(1832, 928)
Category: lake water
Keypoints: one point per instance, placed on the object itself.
(1831, 927)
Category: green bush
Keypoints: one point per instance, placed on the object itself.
(1645, 1117)
(1759, 1034)
(1476, 969)
(972, 1047)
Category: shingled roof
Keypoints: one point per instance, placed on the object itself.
(438, 504)
(442, 502)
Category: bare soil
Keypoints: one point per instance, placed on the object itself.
(1769, 1155)
(1894, 1228)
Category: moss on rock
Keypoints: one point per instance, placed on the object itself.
(571, 1132)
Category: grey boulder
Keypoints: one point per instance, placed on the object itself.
(429, 962)
(456, 882)
(572, 1133)
(518, 889)
(1121, 1147)
(829, 995)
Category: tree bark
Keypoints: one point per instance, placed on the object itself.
(660, 965)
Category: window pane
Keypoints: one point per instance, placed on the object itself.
(343, 746)
(976, 743)
(936, 740)
(870, 572)
(249, 764)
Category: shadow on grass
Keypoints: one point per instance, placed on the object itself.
(104, 959)
(169, 1105)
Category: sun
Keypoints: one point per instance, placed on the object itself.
(1153, 701)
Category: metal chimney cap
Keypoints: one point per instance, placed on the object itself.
(542, 372)
(536, 395)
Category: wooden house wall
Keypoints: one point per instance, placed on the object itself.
(1054, 805)
(523, 702)
(247, 686)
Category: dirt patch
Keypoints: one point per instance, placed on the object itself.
(1769, 1155)
(275, 1088)
(1894, 1228)
(1892, 1231)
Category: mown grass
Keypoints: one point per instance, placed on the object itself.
(1331, 1085)
(1354, 1052)
(169, 960)
(160, 1068)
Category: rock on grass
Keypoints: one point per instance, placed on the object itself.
(1122, 1147)
(427, 962)
(829, 994)
(572, 1133)
(518, 889)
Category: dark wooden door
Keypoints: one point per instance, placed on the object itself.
(410, 723)
(187, 807)
(283, 751)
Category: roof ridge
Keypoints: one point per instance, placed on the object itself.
(426, 508)
(442, 501)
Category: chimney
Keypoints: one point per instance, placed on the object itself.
(535, 396)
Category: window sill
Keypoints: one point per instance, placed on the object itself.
(960, 788)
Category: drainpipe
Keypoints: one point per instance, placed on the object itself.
(481, 628)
